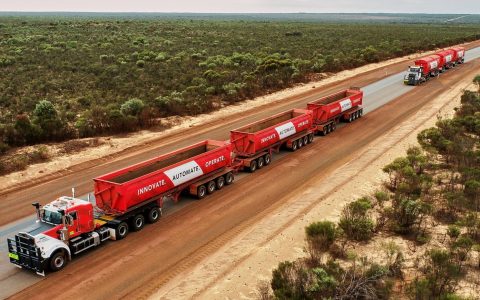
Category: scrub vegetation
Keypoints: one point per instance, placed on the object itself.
(430, 205)
(77, 76)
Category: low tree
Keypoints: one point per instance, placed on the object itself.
(355, 220)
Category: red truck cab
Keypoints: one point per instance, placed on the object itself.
(78, 214)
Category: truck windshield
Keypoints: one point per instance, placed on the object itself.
(414, 70)
(52, 217)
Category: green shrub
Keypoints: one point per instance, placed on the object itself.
(355, 221)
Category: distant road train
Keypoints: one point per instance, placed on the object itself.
(433, 65)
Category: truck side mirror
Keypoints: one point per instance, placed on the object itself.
(37, 209)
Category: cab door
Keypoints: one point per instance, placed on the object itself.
(73, 229)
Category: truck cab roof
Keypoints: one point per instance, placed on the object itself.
(65, 203)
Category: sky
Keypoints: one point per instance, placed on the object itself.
(247, 6)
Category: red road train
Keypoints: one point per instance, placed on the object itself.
(432, 65)
(127, 199)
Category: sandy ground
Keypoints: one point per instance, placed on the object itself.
(111, 145)
(235, 270)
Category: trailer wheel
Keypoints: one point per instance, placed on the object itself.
(350, 119)
(220, 182)
(310, 138)
(253, 166)
(305, 140)
(334, 126)
(229, 178)
(300, 143)
(201, 192)
(294, 146)
(267, 159)
(58, 261)
(211, 187)
(121, 231)
(260, 162)
(153, 215)
(138, 222)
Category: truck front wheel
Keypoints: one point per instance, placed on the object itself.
(121, 231)
(58, 261)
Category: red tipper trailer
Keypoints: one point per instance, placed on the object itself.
(254, 143)
(342, 106)
(430, 64)
(446, 59)
(458, 55)
(201, 168)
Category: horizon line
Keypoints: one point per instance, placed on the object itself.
(233, 13)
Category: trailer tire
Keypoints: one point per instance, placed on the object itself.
(305, 140)
(300, 143)
(58, 260)
(211, 187)
(153, 215)
(229, 178)
(294, 146)
(220, 182)
(201, 192)
(121, 231)
(310, 138)
(138, 222)
(268, 159)
(253, 166)
(260, 162)
(334, 126)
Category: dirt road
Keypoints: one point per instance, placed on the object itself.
(138, 266)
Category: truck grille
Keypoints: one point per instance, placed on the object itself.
(24, 253)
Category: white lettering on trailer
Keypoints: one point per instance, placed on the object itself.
(268, 138)
(184, 173)
(150, 187)
(285, 130)
(301, 124)
(433, 64)
(345, 104)
(214, 161)
(448, 58)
